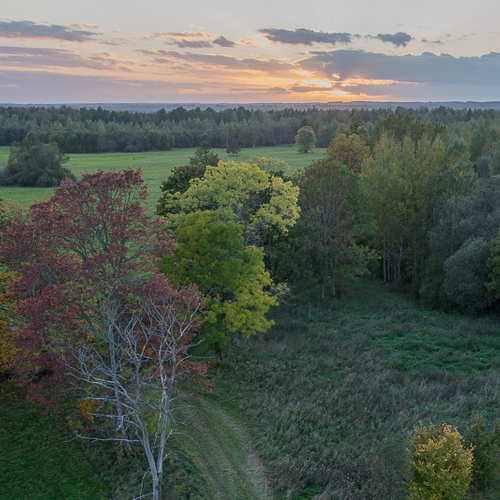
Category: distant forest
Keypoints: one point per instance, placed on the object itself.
(88, 130)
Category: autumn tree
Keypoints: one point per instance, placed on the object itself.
(350, 150)
(179, 180)
(95, 310)
(225, 224)
(305, 139)
(8, 320)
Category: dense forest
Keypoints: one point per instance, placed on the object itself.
(135, 312)
(89, 130)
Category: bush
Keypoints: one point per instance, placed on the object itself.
(485, 442)
(466, 274)
(441, 466)
(35, 165)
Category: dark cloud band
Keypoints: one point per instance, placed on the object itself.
(29, 29)
(304, 36)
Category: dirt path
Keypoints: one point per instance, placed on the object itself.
(226, 456)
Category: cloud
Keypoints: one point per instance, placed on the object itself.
(82, 25)
(31, 30)
(41, 86)
(427, 68)
(43, 57)
(269, 66)
(432, 42)
(310, 88)
(193, 39)
(303, 36)
(399, 39)
(224, 42)
(190, 44)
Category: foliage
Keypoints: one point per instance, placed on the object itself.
(271, 165)
(466, 274)
(96, 311)
(7, 320)
(305, 139)
(35, 165)
(494, 267)
(244, 194)
(441, 464)
(485, 443)
(177, 183)
(87, 130)
(465, 229)
(233, 149)
(350, 151)
(204, 156)
(406, 183)
(334, 208)
(231, 276)
(221, 220)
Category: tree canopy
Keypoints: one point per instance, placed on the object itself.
(305, 139)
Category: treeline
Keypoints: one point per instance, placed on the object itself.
(87, 130)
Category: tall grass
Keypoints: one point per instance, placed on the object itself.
(335, 389)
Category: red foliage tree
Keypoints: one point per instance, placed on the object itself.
(95, 310)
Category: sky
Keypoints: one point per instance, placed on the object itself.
(257, 51)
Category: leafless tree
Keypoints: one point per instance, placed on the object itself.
(137, 364)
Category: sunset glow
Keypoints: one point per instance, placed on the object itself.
(219, 53)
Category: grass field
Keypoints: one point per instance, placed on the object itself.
(335, 389)
(328, 396)
(155, 166)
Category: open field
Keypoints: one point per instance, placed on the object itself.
(329, 397)
(155, 165)
(334, 389)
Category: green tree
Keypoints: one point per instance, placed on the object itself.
(350, 150)
(223, 220)
(211, 253)
(204, 156)
(233, 149)
(36, 165)
(305, 139)
(466, 274)
(334, 207)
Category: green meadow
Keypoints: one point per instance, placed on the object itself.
(155, 165)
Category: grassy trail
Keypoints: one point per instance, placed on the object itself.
(226, 457)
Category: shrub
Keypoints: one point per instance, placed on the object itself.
(441, 465)
(485, 442)
(466, 274)
(35, 165)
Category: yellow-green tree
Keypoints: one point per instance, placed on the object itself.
(223, 222)
(305, 139)
(441, 465)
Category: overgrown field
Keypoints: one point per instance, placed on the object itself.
(331, 395)
(156, 167)
(334, 389)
